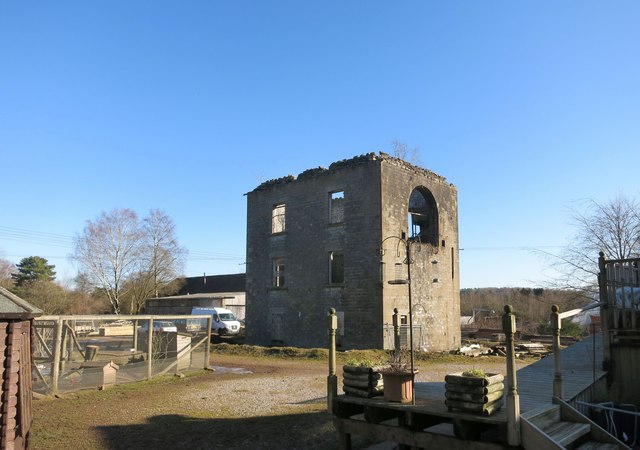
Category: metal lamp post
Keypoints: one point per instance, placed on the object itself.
(407, 243)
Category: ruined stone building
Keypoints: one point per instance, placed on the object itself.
(334, 238)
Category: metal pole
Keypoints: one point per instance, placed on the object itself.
(413, 389)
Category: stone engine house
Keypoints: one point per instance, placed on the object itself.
(334, 238)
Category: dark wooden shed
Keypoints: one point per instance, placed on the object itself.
(16, 360)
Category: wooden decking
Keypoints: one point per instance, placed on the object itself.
(535, 387)
(535, 382)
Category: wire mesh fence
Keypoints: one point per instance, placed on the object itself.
(419, 338)
(82, 352)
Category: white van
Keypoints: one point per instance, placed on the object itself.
(223, 321)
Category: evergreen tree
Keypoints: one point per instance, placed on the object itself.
(33, 268)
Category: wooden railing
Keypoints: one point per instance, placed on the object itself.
(556, 325)
(620, 291)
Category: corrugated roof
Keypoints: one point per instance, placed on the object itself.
(13, 307)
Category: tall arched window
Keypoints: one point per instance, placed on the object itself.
(423, 216)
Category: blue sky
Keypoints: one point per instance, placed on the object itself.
(528, 107)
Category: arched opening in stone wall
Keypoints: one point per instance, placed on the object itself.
(423, 216)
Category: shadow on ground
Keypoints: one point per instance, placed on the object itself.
(296, 431)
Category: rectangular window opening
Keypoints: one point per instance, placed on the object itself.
(336, 268)
(278, 218)
(278, 272)
(336, 207)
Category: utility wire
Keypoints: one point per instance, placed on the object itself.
(63, 241)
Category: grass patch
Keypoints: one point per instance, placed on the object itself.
(255, 351)
(371, 357)
(475, 373)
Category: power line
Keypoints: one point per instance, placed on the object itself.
(31, 236)
(63, 241)
(520, 247)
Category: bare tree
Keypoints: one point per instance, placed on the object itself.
(166, 256)
(401, 150)
(612, 227)
(6, 269)
(129, 260)
(109, 251)
(162, 259)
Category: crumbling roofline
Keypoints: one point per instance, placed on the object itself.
(345, 163)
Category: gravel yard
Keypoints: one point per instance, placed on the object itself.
(279, 404)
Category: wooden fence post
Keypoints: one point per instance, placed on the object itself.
(207, 347)
(556, 324)
(332, 379)
(605, 313)
(513, 400)
(149, 349)
(57, 350)
(63, 348)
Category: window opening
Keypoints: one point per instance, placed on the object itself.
(453, 265)
(278, 272)
(423, 216)
(336, 268)
(336, 207)
(278, 218)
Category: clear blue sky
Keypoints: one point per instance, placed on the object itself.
(185, 106)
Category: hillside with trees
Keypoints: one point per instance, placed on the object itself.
(532, 306)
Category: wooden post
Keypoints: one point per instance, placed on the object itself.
(57, 350)
(396, 331)
(63, 348)
(70, 337)
(135, 336)
(207, 347)
(513, 401)
(556, 324)
(605, 319)
(332, 379)
(149, 348)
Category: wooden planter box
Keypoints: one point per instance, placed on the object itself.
(474, 394)
(362, 381)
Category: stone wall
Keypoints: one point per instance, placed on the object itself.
(435, 280)
(376, 190)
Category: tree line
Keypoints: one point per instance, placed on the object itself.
(532, 306)
(122, 260)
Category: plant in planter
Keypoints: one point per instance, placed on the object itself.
(474, 391)
(398, 378)
(362, 378)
